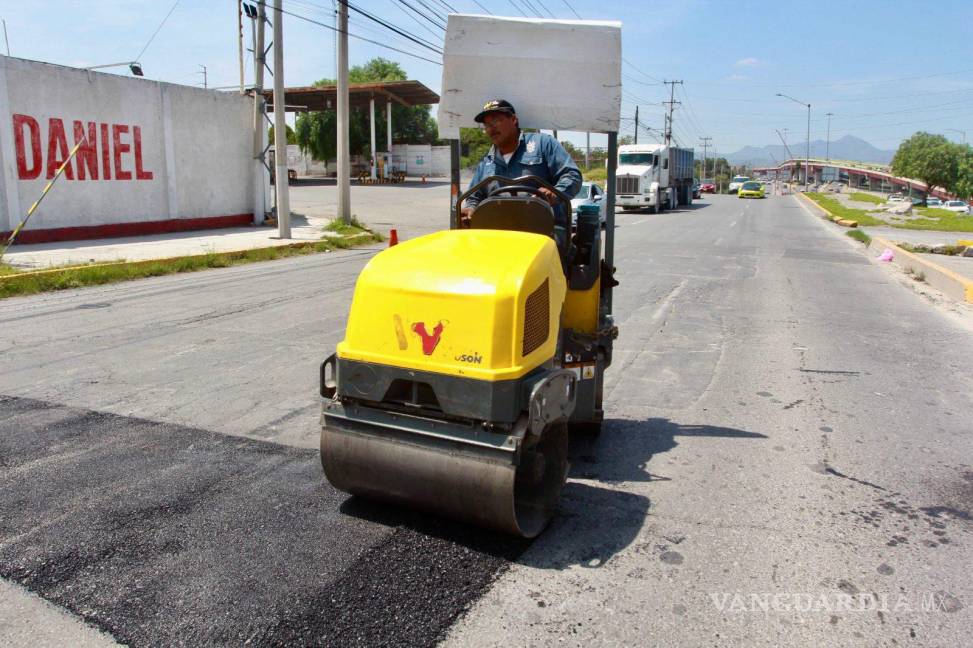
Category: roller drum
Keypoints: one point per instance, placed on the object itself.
(507, 482)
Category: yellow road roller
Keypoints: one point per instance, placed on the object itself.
(472, 353)
(469, 355)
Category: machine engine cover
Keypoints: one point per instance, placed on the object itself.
(481, 304)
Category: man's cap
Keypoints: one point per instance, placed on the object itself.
(495, 105)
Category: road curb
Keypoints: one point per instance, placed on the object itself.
(952, 284)
(958, 287)
(844, 222)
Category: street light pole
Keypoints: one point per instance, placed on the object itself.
(828, 154)
(956, 130)
(807, 146)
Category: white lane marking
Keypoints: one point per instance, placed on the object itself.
(639, 222)
(733, 224)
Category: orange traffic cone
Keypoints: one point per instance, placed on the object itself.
(393, 238)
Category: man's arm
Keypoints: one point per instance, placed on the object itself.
(567, 176)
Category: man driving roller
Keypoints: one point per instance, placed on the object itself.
(515, 154)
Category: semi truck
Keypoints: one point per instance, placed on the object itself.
(654, 177)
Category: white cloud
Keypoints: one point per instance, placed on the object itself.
(747, 62)
(736, 77)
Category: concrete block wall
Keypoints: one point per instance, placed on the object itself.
(154, 156)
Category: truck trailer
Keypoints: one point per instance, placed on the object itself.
(654, 176)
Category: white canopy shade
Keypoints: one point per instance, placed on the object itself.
(558, 74)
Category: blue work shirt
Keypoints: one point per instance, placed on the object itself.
(537, 154)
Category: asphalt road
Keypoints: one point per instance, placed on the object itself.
(787, 460)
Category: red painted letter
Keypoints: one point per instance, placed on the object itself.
(23, 171)
(87, 155)
(140, 173)
(57, 149)
(105, 153)
(119, 148)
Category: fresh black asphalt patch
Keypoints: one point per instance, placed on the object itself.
(167, 535)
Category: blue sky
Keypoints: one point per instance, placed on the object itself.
(885, 69)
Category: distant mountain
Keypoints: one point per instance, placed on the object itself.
(846, 148)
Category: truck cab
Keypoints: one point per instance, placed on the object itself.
(653, 176)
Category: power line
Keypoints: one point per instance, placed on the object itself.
(544, 7)
(482, 7)
(403, 4)
(447, 6)
(517, 7)
(361, 38)
(434, 12)
(572, 9)
(157, 29)
(390, 27)
(634, 67)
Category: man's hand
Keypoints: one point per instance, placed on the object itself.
(549, 195)
(464, 218)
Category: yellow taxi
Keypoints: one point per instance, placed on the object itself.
(751, 189)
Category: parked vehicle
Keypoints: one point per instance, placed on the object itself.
(696, 189)
(957, 206)
(751, 189)
(589, 194)
(708, 186)
(934, 202)
(736, 183)
(654, 176)
(896, 197)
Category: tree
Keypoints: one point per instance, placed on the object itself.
(474, 144)
(316, 132)
(291, 135)
(964, 174)
(929, 158)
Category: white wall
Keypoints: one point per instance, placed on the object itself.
(194, 148)
(421, 159)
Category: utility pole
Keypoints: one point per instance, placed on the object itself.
(260, 168)
(587, 149)
(706, 141)
(280, 128)
(344, 161)
(6, 41)
(239, 27)
(807, 146)
(203, 72)
(672, 103)
(636, 124)
(827, 155)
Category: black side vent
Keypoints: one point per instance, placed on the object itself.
(537, 318)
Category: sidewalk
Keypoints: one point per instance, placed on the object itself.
(160, 246)
(413, 208)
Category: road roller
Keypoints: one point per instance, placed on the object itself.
(469, 357)
(472, 354)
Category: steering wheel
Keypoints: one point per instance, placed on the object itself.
(512, 185)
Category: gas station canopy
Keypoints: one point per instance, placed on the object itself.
(405, 93)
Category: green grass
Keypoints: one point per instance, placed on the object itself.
(6, 270)
(859, 235)
(869, 198)
(933, 212)
(595, 174)
(351, 229)
(839, 210)
(939, 220)
(29, 283)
